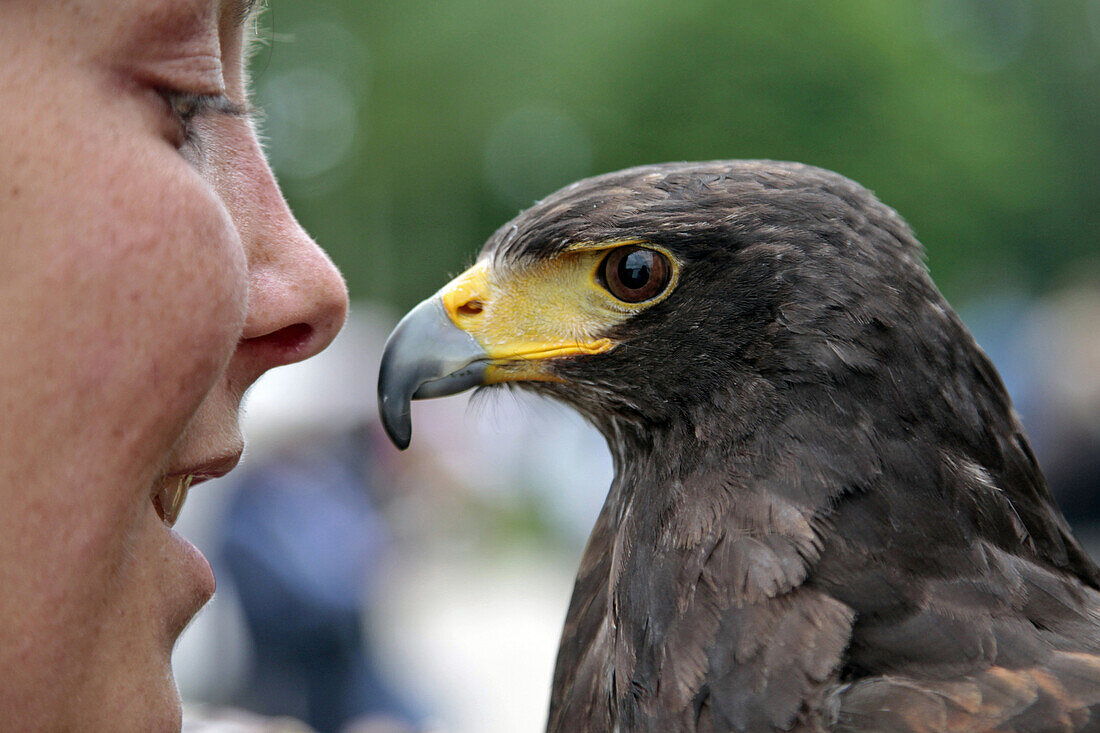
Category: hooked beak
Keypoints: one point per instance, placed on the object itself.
(484, 328)
(427, 355)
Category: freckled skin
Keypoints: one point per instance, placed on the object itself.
(145, 291)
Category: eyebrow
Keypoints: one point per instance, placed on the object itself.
(242, 10)
(246, 15)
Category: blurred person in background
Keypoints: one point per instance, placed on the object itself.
(1047, 349)
(1061, 337)
(303, 544)
(150, 271)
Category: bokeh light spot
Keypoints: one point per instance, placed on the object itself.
(311, 120)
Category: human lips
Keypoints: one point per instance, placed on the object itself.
(170, 492)
(170, 495)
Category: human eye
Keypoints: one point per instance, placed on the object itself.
(187, 108)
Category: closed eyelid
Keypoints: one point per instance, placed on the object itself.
(175, 44)
(189, 110)
(188, 106)
(197, 74)
(204, 64)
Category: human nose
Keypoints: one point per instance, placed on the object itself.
(297, 299)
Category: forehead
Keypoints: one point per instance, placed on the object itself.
(159, 18)
(234, 10)
(155, 39)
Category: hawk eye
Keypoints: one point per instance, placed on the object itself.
(635, 274)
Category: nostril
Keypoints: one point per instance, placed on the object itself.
(288, 340)
(472, 308)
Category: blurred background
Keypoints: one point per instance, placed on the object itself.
(363, 589)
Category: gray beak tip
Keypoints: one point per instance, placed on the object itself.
(395, 390)
(425, 356)
(397, 423)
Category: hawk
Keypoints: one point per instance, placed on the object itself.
(825, 514)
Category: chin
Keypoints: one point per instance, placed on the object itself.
(173, 581)
(159, 710)
(154, 702)
(169, 715)
(145, 700)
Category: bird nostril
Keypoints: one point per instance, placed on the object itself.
(471, 308)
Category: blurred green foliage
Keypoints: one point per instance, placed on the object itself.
(404, 133)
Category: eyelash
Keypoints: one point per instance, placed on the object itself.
(187, 106)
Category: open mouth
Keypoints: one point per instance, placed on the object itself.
(170, 495)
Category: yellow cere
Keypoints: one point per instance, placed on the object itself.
(528, 313)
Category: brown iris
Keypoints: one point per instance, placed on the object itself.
(634, 274)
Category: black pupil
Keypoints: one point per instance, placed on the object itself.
(634, 269)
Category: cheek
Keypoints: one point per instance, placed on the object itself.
(170, 294)
(126, 284)
(130, 284)
(147, 305)
(189, 276)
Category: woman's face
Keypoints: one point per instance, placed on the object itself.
(149, 273)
